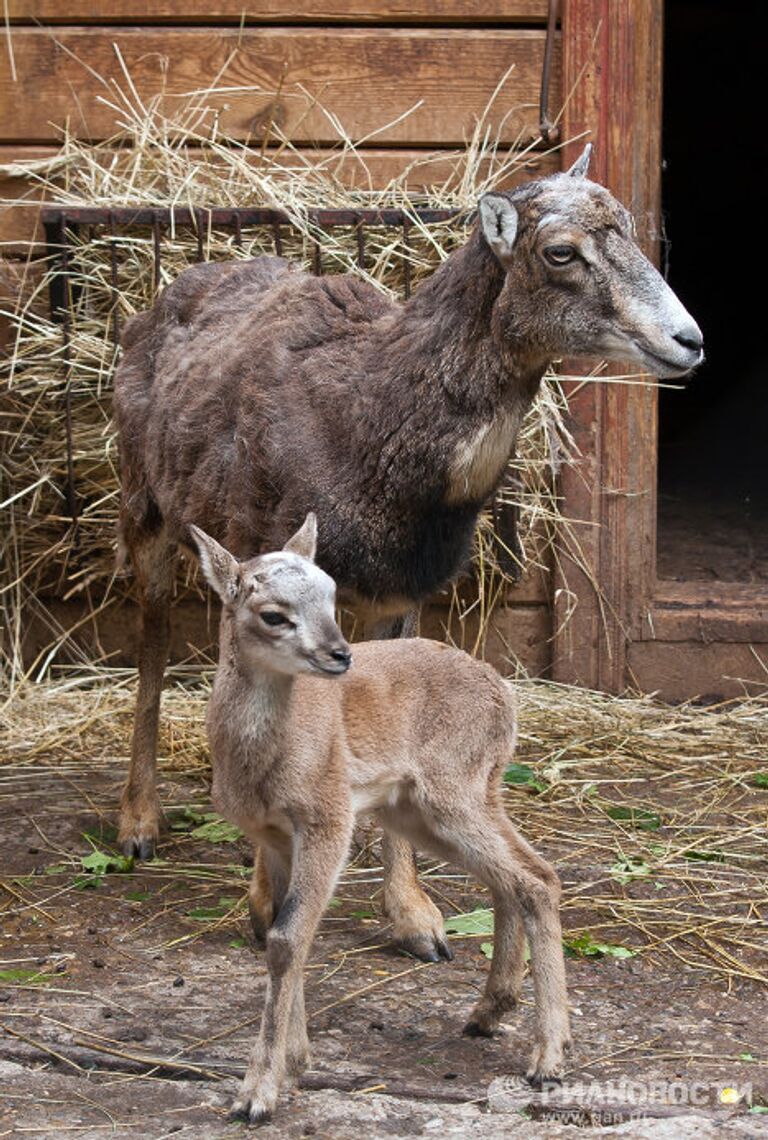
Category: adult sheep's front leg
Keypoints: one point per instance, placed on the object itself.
(140, 813)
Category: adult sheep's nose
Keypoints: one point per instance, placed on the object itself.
(689, 337)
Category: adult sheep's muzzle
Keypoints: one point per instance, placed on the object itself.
(677, 354)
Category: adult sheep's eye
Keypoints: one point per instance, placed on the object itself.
(273, 618)
(560, 254)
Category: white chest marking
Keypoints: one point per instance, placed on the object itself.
(479, 461)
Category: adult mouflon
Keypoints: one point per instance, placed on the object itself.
(252, 393)
(416, 733)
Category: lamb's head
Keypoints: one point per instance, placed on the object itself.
(577, 283)
(279, 606)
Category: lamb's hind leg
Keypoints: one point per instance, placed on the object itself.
(140, 812)
(417, 924)
(523, 884)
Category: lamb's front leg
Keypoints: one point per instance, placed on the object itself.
(282, 1043)
(417, 924)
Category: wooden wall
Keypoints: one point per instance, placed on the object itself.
(368, 60)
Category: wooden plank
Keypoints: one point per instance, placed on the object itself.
(279, 11)
(614, 46)
(679, 670)
(708, 595)
(20, 197)
(709, 611)
(368, 77)
(521, 631)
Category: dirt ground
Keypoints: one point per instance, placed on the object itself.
(130, 998)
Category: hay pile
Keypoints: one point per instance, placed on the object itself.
(185, 161)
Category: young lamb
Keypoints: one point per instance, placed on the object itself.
(416, 733)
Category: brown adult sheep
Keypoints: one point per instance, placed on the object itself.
(252, 393)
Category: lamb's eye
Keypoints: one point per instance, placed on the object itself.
(273, 618)
(560, 254)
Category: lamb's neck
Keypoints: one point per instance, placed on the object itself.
(451, 329)
(249, 703)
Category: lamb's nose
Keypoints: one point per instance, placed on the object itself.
(343, 656)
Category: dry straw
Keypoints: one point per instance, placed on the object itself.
(654, 815)
(180, 159)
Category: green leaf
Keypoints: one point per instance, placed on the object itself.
(20, 975)
(137, 896)
(102, 863)
(635, 817)
(629, 868)
(487, 949)
(746, 1057)
(760, 779)
(365, 912)
(525, 775)
(478, 921)
(211, 913)
(217, 830)
(335, 903)
(705, 856)
(58, 869)
(237, 943)
(584, 946)
(758, 1109)
(87, 882)
(188, 818)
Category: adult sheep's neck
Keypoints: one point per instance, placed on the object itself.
(450, 332)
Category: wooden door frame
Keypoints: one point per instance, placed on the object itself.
(612, 90)
(612, 68)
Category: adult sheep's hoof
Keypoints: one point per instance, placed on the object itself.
(138, 848)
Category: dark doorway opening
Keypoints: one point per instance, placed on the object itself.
(713, 437)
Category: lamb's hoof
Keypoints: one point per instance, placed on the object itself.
(250, 1114)
(251, 1109)
(477, 1029)
(426, 947)
(138, 848)
(540, 1081)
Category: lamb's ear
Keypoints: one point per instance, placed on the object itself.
(498, 217)
(304, 541)
(580, 167)
(220, 569)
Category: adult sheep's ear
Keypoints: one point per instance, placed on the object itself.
(304, 541)
(498, 217)
(580, 167)
(220, 569)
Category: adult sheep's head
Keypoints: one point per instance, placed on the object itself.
(577, 283)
